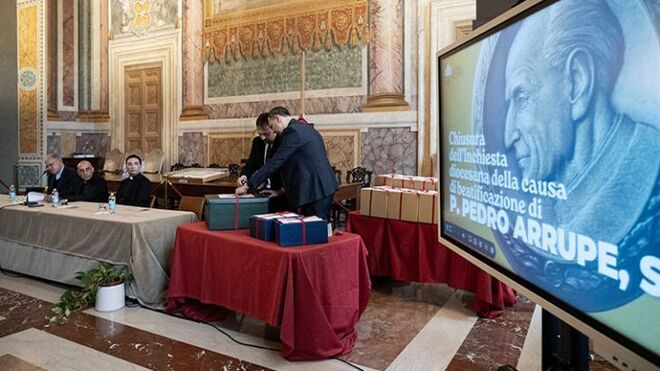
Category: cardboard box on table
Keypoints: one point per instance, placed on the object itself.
(423, 183)
(373, 201)
(301, 231)
(427, 204)
(402, 205)
(221, 210)
(262, 226)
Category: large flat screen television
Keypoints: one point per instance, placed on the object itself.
(550, 159)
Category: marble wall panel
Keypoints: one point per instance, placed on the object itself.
(53, 143)
(229, 148)
(343, 147)
(68, 61)
(92, 143)
(193, 148)
(68, 115)
(313, 106)
(29, 175)
(390, 150)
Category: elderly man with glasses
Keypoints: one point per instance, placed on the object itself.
(92, 188)
(60, 177)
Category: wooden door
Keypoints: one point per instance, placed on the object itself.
(143, 109)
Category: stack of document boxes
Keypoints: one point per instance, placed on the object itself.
(263, 226)
(400, 197)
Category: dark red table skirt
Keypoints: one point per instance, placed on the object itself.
(408, 251)
(316, 293)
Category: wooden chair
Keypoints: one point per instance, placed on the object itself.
(344, 201)
(193, 204)
(337, 174)
(153, 203)
(234, 169)
(359, 175)
(153, 161)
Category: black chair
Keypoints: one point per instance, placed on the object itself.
(359, 175)
(177, 166)
(337, 174)
(234, 169)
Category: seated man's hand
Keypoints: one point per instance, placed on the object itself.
(272, 192)
(241, 180)
(242, 190)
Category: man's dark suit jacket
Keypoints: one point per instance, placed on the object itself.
(256, 160)
(303, 164)
(134, 191)
(67, 185)
(93, 190)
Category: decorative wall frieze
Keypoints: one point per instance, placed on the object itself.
(285, 28)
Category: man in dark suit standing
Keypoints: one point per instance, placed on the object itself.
(302, 160)
(60, 177)
(92, 187)
(262, 150)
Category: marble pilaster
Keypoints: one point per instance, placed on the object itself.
(193, 60)
(386, 57)
(68, 52)
(51, 24)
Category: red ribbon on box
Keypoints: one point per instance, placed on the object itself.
(304, 230)
(236, 207)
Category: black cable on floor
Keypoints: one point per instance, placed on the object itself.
(238, 341)
(348, 363)
(10, 274)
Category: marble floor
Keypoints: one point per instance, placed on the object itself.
(406, 326)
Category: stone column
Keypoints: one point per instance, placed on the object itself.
(386, 57)
(51, 25)
(193, 61)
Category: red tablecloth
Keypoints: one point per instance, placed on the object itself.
(315, 293)
(411, 252)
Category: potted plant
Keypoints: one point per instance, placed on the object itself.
(103, 284)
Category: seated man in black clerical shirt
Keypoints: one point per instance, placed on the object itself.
(60, 177)
(135, 189)
(92, 187)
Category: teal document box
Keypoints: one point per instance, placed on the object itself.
(221, 210)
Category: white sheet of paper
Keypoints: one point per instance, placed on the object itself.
(35, 196)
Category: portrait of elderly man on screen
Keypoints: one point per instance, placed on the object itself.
(562, 126)
(559, 119)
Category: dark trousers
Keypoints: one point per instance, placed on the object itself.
(320, 208)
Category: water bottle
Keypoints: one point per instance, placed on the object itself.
(55, 198)
(112, 203)
(12, 193)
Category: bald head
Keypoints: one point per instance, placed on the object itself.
(85, 170)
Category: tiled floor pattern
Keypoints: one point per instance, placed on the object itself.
(407, 326)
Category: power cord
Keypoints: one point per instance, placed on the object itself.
(238, 341)
(10, 274)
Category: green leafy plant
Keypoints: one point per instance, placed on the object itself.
(76, 299)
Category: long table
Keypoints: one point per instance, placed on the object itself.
(222, 185)
(408, 251)
(316, 293)
(55, 243)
